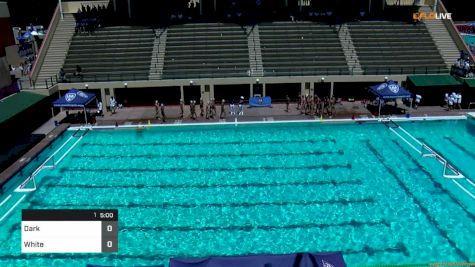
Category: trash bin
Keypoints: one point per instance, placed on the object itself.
(408, 115)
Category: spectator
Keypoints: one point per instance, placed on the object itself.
(459, 101)
(78, 71)
(157, 109)
(112, 104)
(62, 75)
(162, 109)
(99, 109)
(417, 101)
(287, 103)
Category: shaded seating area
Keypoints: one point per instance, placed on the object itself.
(304, 48)
(387, 47)
(206, 50)
(111, 54)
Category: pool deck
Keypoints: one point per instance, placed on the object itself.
(345, 110)
(32, 153)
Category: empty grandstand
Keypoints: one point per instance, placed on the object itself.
(111, 53)
(385, 47)
(206, 50)
(214, 47)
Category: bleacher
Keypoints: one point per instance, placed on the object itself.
(206, 51)
(396, 48)
(111, 54)
(295, 49)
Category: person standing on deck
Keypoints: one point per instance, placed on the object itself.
(192, 110)
(299, 102)
(287, 103)
(162, 109)
(223, 111)
(182, 108)
(207, 110)
(112, 104)
(241, 106)
(157, 109)
(232, 109)
(201, 107)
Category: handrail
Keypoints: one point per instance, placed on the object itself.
(452, 29)
(40, 57)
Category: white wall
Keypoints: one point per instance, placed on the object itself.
(4, 73)
(4, 13)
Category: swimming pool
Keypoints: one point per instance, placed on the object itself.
(195, 191)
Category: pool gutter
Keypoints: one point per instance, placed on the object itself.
(236, 122)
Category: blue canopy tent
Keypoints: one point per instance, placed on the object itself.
(389, 90)
(75, 99)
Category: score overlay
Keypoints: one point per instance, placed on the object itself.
(69, 231)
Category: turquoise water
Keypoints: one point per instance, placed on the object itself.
(224, 190)
(469, 39)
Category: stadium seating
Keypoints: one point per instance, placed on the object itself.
(294, 49)
(395, 48)
(112, 53)
(206, 51)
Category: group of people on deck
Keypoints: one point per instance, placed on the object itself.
(316, 106)
(453, 101)
(207, 110)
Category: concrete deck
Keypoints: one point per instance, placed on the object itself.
(31, 154)
(345, 110)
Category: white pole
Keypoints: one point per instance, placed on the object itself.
(60, 9)
(379, 111)
(85, 115)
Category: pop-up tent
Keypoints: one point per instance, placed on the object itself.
(75, 99)
(389, 90)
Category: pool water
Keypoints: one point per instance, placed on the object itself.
(195, 191)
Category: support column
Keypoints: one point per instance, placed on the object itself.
(103, 97)
(128, 9)
(286, 3)
(211, 91)
(263, 89)
(251, 90)
(214, 6)
(114, 5)
(182, 93)
(331, 89)
(302, 89)
(202, 92)
(201, 7)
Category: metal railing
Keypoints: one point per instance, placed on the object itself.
(45, 45)
(268, 72)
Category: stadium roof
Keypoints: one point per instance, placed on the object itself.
(433, 80)
(470, 83)
(16, 103)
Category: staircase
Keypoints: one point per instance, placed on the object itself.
(57, 50)
(349, 50)
(158, 55)
(441, 36)
(255, 54)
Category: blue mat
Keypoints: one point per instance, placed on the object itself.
(265, 101)
(334, 259)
